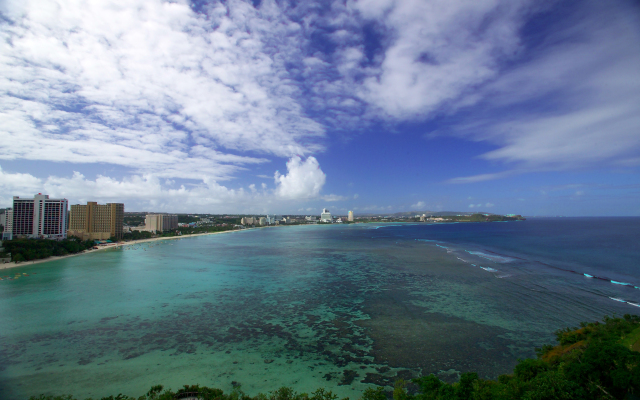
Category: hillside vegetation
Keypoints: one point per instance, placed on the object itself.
(597, 360)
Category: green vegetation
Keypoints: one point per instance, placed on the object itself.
(134, 219)
(35, 249)
(596, 361)
(136, 235)
(205, 393)
(187, 219)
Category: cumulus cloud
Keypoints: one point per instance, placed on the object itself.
(419, 205)
(304, 179)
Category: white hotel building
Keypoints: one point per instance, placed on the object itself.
(40, 217)
(325, 216)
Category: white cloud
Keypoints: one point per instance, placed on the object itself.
(13, 183)
(419, 205)
(334, 197)
(577, 98)
(482, 177)
(150, 85)
(489, 205)
(138, 192)
(439, 51)
(303, 180)
(475, 205)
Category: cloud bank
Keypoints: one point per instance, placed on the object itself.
(149, 193)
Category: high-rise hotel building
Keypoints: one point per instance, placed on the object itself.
(95, 221)
(40, 217)
(160, 222)
(6, 220)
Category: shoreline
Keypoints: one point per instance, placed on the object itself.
(13, 264)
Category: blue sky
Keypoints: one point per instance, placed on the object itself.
(376, 106)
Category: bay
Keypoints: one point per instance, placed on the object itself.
(342, 307)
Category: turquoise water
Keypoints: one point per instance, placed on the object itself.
(340, 307)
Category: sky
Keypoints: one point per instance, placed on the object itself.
(375, 106)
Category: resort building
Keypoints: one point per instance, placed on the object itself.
(248, 221)
(350, 216)
(95, 221)
(6, 220)
(40, 217)
(325, 216)
(160, 222)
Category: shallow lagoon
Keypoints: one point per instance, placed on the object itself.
(340, 307)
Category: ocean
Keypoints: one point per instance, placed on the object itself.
(343, 307)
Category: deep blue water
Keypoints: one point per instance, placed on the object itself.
(606, 246)
(341, 307)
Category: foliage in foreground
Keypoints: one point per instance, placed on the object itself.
(594, 361)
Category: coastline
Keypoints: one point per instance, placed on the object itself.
(13, 264)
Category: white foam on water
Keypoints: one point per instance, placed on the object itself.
(621, 283)
(620, 300)
(588, 276)
(491, 257)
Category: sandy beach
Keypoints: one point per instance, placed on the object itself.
(13, 264)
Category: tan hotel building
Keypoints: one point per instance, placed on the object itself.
(95, 221)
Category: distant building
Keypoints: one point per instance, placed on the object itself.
(7, 222)
(262, 221)
(248, 221)
(169, 222)
(423, 218)
(350, 216)
(160, 222)
(310, 218)
(40, 217)
(95, 221)
(325, 216)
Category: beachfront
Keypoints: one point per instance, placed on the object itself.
(14, 264)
